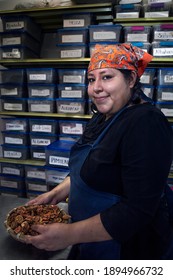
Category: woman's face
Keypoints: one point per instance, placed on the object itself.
(109, 90)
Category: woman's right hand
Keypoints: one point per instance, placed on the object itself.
(45, 198)
(56, 195)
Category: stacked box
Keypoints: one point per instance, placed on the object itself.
(21, 38)
(165, 90)
(127, 11)
(35, 180)
(54, 176)
(137, 33)
(58, 153)
(148, 82)
(105, 33)
(157, 10)
(14, 185)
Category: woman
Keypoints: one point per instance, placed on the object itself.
(118, 169)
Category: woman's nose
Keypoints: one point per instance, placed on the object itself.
(97, 86)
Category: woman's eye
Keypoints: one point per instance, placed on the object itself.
(90, 80)
(107, 77)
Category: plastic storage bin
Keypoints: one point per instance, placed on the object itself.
(55, 176)
(128, 11)
(72, 91)
(72, 127)
(41, 105)
(76, 20)
(37, 152)
(15, 138)
(42, 90)
(163, 32)
(12, 185)
(14, 104)
(57, 153)
(72, 50)
(15, 151)
(38, 185)
(155, 10)
(148, 77)
(162, 49)
(70, 106)
(13, 90)
(166, 107)
(71, 76)
(20, 38)
(15, 124)
(19, 52)
(149, 91)
(137, 33)
(99, 33)
(144, 46)
(165, 93)
(12, 75)
(165, 76)
(41, 75)
(12, 169)
(71, 35)
(43, 126)
(25, 23)
(35, 172)
(40, 139)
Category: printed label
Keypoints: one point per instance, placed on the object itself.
(163, 35)
(10, 126)
(137, 37)
(8, 184)
(71, 93)
(167, 95)
(40, 108)
(7, 91)
(72, 38)
(9, 170)
(156, 14)
(162, 51)
(127, 15)
(73, 23)
(101, 35)
(13, 106)
(37, 187)
(70, 108)
(39, 155)
(70, 53)
(36, 174)
(40, 142)
(35, 77)
(77, 129)
(145, 79)
(14, 25)
(62, 161)
(11, 140)
(12, 154)
(41, 128)
(72, 79)
(168, 79)
(37, 92)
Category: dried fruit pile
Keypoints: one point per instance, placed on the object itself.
(20, 220)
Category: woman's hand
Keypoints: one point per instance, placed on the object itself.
(45, 198)
(56, 195)
(51, 237)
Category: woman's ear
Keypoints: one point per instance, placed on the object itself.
(133, 79)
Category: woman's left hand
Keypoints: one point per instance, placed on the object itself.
(51, 237)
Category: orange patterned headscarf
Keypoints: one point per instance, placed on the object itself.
(119, 56)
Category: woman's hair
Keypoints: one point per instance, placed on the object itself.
(136, 90)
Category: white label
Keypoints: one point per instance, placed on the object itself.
(73, 23)
(41, 128)
(167, 112)
(37, 187)
(156, 14)
(9, 170)
(39, 155)
(70, 108)
(54, 178)
(40, 142)
(136, 37)
(147, 91)
(12, 54)
(127, 15)
(163, 51)
(36, 174)
(157, 1)
(12, 91)
(145, 79)
(11, 140)
(163, 35)
(63, 161)
(10, 126)
(13, 106)
(37, 92)
(71, 93)
(40, 108)
(168, 79)
(101, 35)
(70, 53)
(167, 95)
(12, 154)
(72, 79)
(77, 129)
(35, 77)
(72, 38)
(14, 25)
(8, 184)
(11, 41)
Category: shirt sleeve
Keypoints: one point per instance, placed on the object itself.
(145, 162)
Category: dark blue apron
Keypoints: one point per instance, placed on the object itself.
(85, 202)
